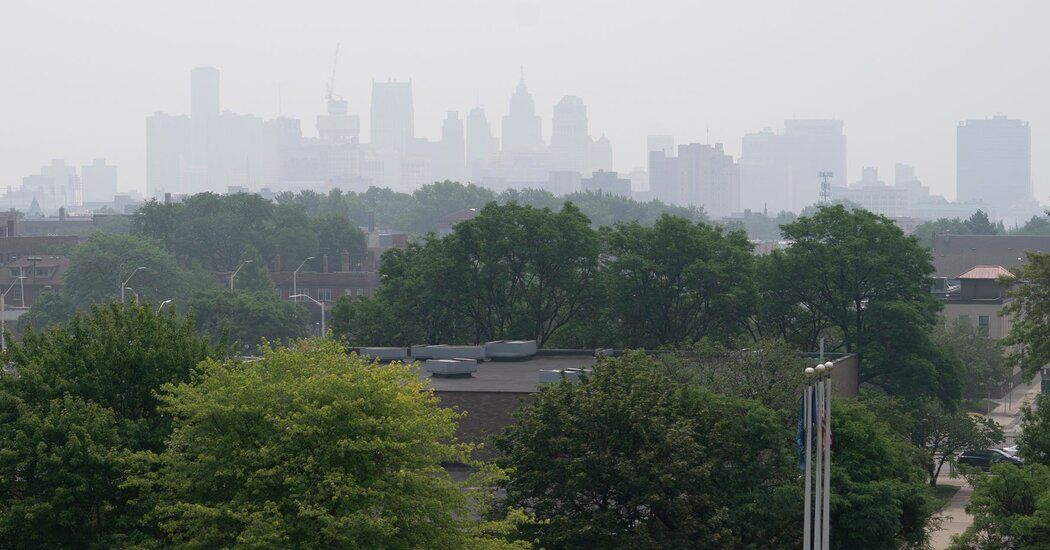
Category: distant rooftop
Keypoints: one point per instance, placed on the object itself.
(986, 272)
(956, 254)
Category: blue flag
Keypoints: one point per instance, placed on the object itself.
(800, 433)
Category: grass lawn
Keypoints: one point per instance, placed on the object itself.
(943, 494)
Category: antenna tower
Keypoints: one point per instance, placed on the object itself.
(825, 187)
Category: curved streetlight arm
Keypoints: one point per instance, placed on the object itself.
(128, 280)
(295, 276)
(319, 304)
(162, 304)
(13, 283)
(238, 270)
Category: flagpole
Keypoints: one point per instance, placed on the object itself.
(826, 536)
(807, 396)
(818, 516)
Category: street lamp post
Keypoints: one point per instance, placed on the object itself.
(162, 304)
(3, 314)
(135, 293)
(295, 276)
(128, 280)
(234, 274)
(319, 304)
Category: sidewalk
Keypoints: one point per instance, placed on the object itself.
(1008, 409)
(1007, 412)
(953, 517)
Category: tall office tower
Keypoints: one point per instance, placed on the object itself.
(522, 130)
(708, 177)
(814, 146)
(600, 155)
(393, 117)
(481, 145)
(99, 181)
(66, 191)
(765, 173)
(167, 142)
(994, 162)
(204, 92)
(451, 163)
(660, 142)
(570, 140)
(780, 170)
(663, 177)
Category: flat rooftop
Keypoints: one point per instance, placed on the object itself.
(507, 376)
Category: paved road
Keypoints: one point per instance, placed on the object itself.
(954, 519)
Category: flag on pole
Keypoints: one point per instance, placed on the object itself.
(800, 434)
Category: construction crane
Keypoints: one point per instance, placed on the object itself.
(330, 96)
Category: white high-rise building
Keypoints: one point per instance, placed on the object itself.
(781, 170)
(570, 139)
(393, 117)
(522, 129)
(98, 181)
(994, 162)
(481, 145)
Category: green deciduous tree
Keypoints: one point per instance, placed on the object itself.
(60, 472)
(879, 499)
(1034, 441)
(1030, 308)
(309, 448)
(677, 281)
(245, 318)
(1037, 225)
(512, 272)
(854, 277)
(944, 433)
(1010, 509)
(767, 371)
(80, 399)
(628, 458)
(981, 357)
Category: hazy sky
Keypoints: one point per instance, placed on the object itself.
(79, 78)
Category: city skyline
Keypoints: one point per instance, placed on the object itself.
(626, 101)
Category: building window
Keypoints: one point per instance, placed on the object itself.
(348, 292)
(279, 295)
(983, 322)
(324, 294)
(964, 319)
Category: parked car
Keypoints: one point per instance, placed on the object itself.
(1012, 450)
(984, 458)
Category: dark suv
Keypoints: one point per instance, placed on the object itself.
(984, 459)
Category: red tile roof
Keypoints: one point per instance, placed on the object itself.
(986, 272)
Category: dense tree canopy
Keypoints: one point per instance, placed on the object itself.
(627, 458)
(99, 266)
(1030, 308)
(678, 281)
(309, 448)
(213, 231)
(1034, 441)
(419, 212)
(853, 277)
(981, 358)
(977, 224)
(82, 398)
(246, 317)
(512, 272)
